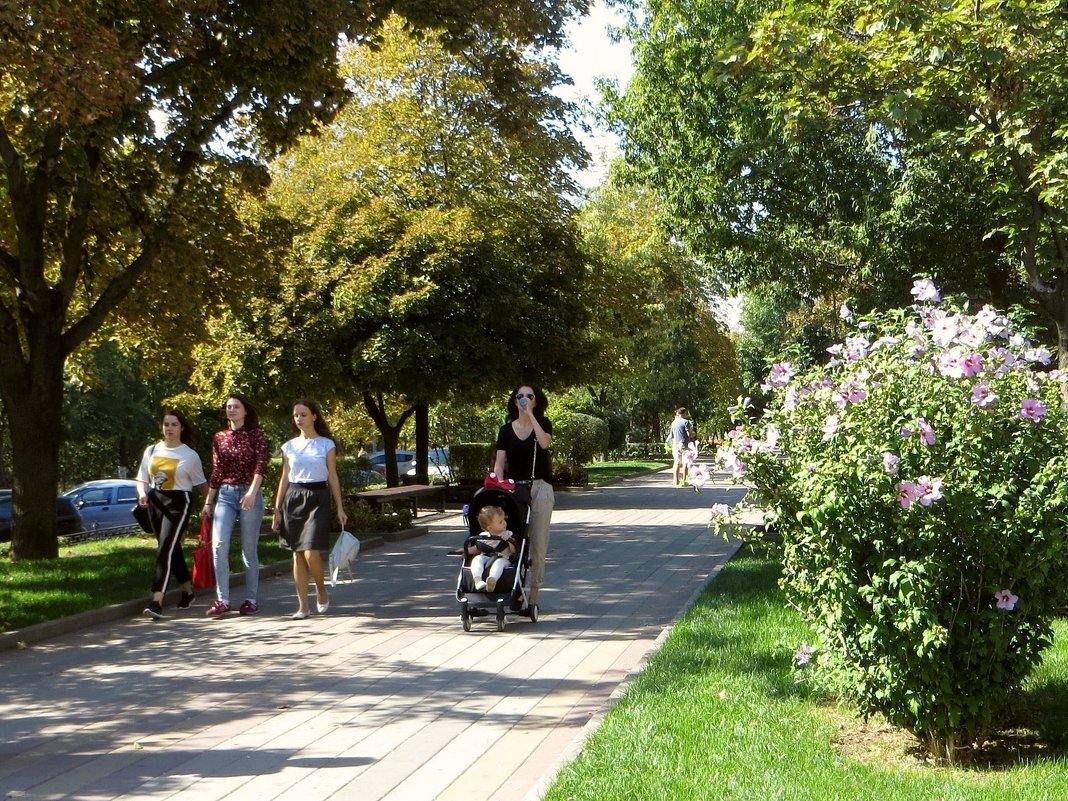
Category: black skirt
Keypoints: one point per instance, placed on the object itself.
(306, 517)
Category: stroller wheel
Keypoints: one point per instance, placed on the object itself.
(500, 615)
(465, 617)
(533, 613)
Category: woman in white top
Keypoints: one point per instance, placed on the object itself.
(302, 504)
(170, 470)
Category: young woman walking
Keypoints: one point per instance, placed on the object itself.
(302, 503)
(170, 470)
(239, 462)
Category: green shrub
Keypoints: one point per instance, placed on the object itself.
(356, 473)
(618, 425)
(270, 481)
(570, 475)
(471, 461)
(578, 438)
(919, 486)
(363, 519)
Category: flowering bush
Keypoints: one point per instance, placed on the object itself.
(920, 487)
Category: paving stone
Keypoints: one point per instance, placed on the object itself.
(383, 697)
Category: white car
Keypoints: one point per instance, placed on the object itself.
(437, 466)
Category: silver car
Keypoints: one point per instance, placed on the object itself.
(106, 503)
(437, 458)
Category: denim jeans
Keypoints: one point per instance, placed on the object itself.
(227, 510)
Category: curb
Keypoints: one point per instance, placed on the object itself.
(23, 638)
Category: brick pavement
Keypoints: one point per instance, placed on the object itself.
(385, 696)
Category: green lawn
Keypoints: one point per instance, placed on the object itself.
(717, 714)
(600, 472)
(91, 575)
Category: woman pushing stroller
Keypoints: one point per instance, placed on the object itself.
(522, 454)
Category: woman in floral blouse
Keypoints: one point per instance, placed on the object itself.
(239, 462)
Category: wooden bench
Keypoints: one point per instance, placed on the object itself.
(409, 495)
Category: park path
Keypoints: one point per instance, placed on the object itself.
(385, 696)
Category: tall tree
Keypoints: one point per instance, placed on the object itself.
(979, 85)
(435, 254)
(781, 154)
(127, 129)
(111, 412)
(664, 346)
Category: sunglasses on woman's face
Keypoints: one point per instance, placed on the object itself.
(520, 396)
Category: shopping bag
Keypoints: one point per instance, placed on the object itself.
(203, 559)
(342, 555)
(143, 517)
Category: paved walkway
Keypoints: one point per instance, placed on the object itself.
(384, 697)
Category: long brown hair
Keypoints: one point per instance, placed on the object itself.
(321, 428)
(187, 429)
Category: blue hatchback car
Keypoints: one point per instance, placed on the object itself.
(107, 503)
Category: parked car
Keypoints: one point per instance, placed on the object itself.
(68, 520)
(106, 503)
(405, 460)
(437, 463)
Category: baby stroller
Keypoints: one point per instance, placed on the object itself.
(510, 594)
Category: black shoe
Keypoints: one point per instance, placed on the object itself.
(186, 600)
(154, 609)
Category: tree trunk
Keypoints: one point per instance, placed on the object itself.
(422, 443)
(376, 408)
(123, 467)
(5, 479)
(35, 418)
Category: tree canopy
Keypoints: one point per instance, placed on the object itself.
(859, 142)
(663, 344)
(129, 133)
(434, 251)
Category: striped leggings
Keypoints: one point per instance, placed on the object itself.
(169, 511)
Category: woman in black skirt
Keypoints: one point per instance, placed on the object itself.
(302, 504)
(169, 471)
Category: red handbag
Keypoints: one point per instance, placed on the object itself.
(203, 559)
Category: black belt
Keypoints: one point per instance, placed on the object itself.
(309, 484)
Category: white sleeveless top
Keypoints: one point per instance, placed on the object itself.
(307, 459)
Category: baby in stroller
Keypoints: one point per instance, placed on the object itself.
(493, 551)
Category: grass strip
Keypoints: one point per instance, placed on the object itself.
(94, 574)
(601, 472)
(717, 714)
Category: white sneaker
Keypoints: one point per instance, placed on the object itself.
(491, 584)
(480, 586)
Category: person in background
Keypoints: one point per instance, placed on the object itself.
(680, 427)
(239, 456)
(302, 503)
(170, 470)
(522, 454)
